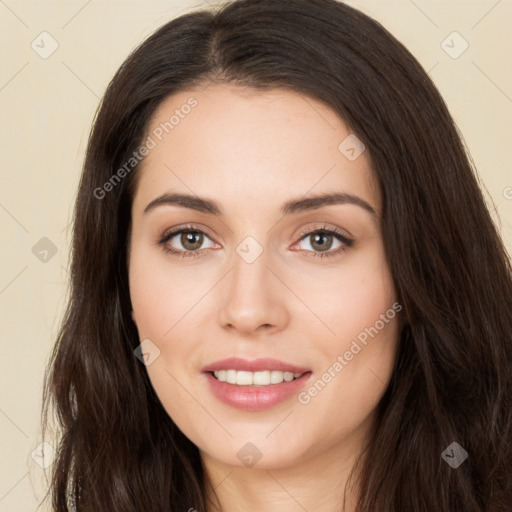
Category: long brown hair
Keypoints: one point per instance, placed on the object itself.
(118, 450)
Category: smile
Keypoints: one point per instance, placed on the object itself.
(262, 378)
(254, 385)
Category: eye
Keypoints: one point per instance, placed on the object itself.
(190, 238)
(321, 242)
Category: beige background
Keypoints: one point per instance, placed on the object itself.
(47, 106)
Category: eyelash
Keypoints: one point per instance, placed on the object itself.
(347, 242)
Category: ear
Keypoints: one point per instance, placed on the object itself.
(133, 317)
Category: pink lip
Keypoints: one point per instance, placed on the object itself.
(254, 398)
(257, 365)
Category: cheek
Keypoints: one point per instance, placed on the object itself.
(356, 358)
(161, 294)
(350, 300)
(367, 310)
(160, 300)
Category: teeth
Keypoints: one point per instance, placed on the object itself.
(261, 378)
(244, 378)
(264, 378)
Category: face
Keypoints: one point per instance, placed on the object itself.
(268, 314)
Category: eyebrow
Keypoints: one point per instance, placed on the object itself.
(210, 207)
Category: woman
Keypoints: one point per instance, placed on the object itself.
(287, 292)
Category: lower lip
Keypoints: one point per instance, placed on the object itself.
(255, 398)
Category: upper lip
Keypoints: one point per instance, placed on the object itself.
(255, 365)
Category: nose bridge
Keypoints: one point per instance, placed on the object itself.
(250, 273)
(251, 298)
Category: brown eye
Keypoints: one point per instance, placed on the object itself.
(191, 240)
(321, 241)
(187, 241)
(325, 242)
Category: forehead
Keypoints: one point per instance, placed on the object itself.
(240, 144)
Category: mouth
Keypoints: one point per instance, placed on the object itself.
(254, 385)
(261, 378)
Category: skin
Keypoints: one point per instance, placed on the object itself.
(251, 151)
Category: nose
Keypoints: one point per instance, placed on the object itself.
(253, 299)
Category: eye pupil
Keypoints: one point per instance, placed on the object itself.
(317, 237)
(191, 237)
